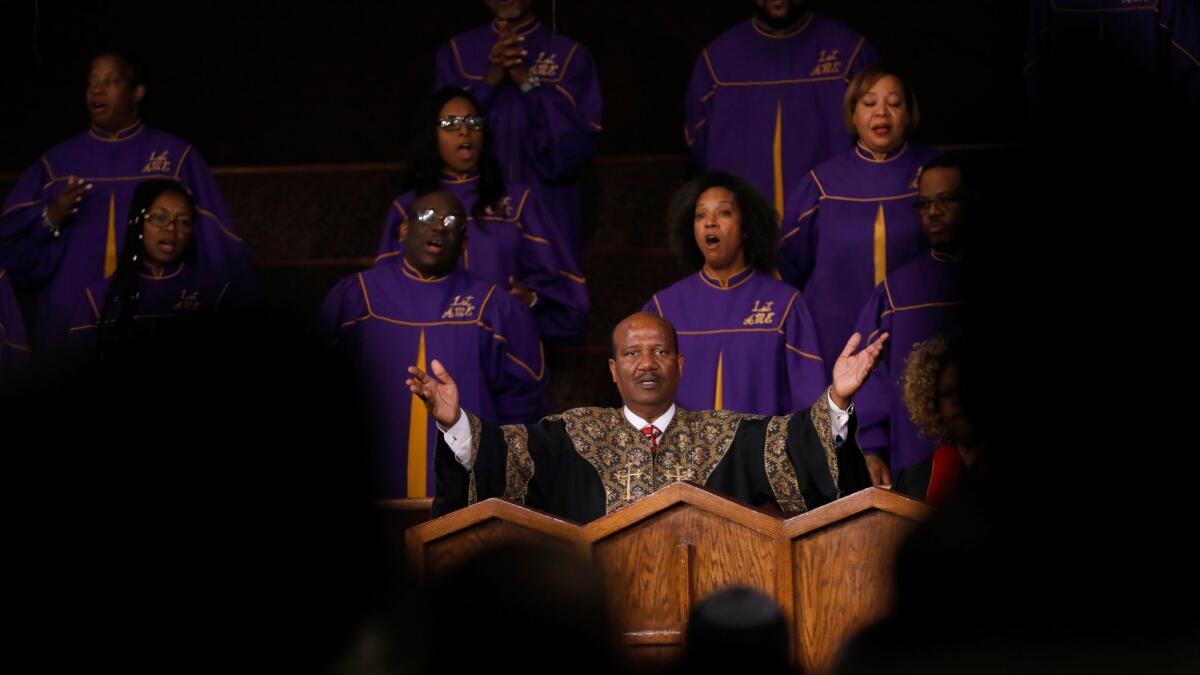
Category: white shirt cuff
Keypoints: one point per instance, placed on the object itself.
(458, 437)
(841, 419)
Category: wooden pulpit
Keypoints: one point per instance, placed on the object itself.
(829, 569)
(840, 558)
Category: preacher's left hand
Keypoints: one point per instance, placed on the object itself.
(852, 369)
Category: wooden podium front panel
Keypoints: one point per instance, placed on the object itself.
(448, 552)
(657, 568)
(843, 582)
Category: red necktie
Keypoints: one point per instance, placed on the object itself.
(651, 433)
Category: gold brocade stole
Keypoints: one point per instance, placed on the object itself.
(689, 450)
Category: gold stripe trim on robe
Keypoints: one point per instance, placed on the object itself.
(880, 247)
(418, 434)
(777, 157)
(718, 398)
(110, 245)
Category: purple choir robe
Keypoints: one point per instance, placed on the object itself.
(14, 346)
(750, 344)
(544, 138)
(920, 300)
(1158, 41)
(847, 224)
(181, 291)
(769, 108)
(86, 250)
(516, 243)
(391, 317)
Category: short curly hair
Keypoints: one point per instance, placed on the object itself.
(922, 370)
(760, 222)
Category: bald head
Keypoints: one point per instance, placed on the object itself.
(646, 364)
(639, 317)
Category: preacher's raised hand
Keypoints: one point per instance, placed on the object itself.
(438, 390)
(851, 369)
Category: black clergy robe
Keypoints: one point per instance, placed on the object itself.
(589, 462)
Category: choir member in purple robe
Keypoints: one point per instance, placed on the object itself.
(749, 339)
(851, 220)
(588, 462)
(14, 346)
(921, 299)
(541, 95)
(162, 279)
(420, 306)
(1151, 45)
(511, 241)
(765, 98)
(62, 224)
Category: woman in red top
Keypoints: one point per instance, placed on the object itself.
(932, 397)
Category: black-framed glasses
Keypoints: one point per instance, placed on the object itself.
(450, 222)
(159, 220)
(453, 122)
(943, 202)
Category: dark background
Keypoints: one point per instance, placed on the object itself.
(261, 83)
(1072, 368)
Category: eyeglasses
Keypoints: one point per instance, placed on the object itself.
(453, 122)
(450, 222)
(159, 220)
(943, 202)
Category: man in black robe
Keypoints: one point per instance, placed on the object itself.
(588, 462)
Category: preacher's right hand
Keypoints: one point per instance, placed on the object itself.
(438, 390)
